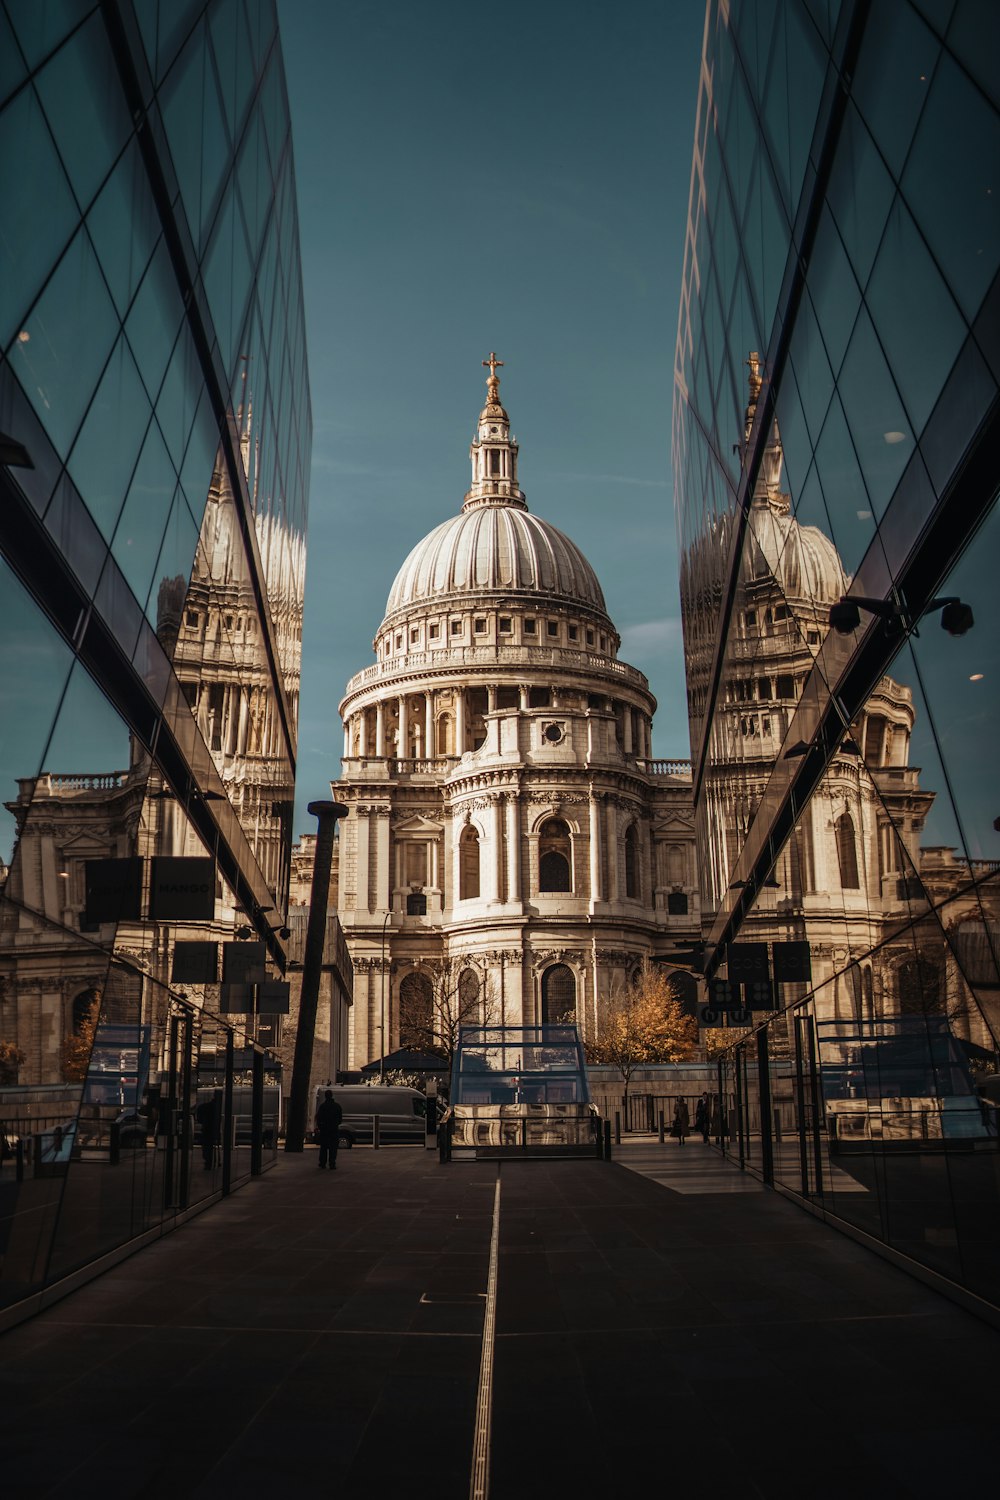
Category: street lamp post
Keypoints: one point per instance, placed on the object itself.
(327, 814)
(381, 1061)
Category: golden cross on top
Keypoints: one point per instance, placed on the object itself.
(494, 364)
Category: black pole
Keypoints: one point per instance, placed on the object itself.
(327, 814)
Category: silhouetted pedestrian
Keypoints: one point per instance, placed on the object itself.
(328, 1118)
(209, 1117)
(703, 1116)
(681, 1120)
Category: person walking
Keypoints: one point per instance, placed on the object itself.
(703, 1117)
(209, 1117)
(328, 1118)
(681, 1120)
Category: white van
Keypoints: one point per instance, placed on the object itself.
(402, 1113)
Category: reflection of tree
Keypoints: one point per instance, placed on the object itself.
(11, 1058)
(644, 1023)
(437, 1000)
(74, 1054)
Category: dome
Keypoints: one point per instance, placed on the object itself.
(803, 561)
(494, 545)
(495, 548)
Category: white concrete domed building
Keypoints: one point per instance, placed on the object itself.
(506, 821)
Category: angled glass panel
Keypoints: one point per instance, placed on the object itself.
(124, 227)
(82, 83)
(154, 319)
(950, 183)
(893, 77)
(40, 28)
(139, 534)
(959, 677)
(37, 664)
(859, 194)
(882, 436)
(105, 453)
(13, 70)
(35, 223)
(905, 279)
(69, 336)
(172, 572)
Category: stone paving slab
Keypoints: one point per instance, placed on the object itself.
(323, 1332)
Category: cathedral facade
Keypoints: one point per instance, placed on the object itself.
(508, 825)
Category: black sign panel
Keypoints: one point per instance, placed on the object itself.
(269, 1031)
(792, 963)
(747, 962)
(723, 994)
(113, 891)
(195, 963)
(759, 995)
(273, 997)
(236, 999)
(182, 889)
(243, 963)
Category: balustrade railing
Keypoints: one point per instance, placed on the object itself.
(520, 656)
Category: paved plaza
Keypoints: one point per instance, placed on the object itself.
(662, 1323)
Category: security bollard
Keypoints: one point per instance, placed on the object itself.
(114, 1143)
(662, 1128)
(607, 1140)
(618, 1128)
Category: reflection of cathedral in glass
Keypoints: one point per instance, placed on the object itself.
(838, 535)
(853, 861)
(154, 407)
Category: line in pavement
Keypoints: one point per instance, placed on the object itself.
(480, 1481)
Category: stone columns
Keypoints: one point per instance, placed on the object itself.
(595, 849)
(612, 836)
(429, 746)
(496, 863)
(383, 889)
(347, 738)
(459, 721)
(522, 692)
(513, 849)
(627, 727)
(403, 737)
(491, 700)
(380, 729)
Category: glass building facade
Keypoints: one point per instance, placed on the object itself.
(835, 440)
(155, 429)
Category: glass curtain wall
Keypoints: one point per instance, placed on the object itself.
(835, 431)
(155, 435)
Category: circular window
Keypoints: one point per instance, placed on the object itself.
(554, 733)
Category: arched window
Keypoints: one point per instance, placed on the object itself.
(632, 861)
(468, 996)
(444, 734)
(558, 995)
(847, 852)
(919, 987)
(85, 1010)
(468, 864)
(416, 1012)
(554, 856)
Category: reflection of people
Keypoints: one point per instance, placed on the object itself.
(681, 1120)
(328, 1118)
(702, 1116)
(208, 1115)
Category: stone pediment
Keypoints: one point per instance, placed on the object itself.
(674, 822)
(418, 824)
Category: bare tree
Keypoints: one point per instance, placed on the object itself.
(438, 999)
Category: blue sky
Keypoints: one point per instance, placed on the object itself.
(472, 178)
